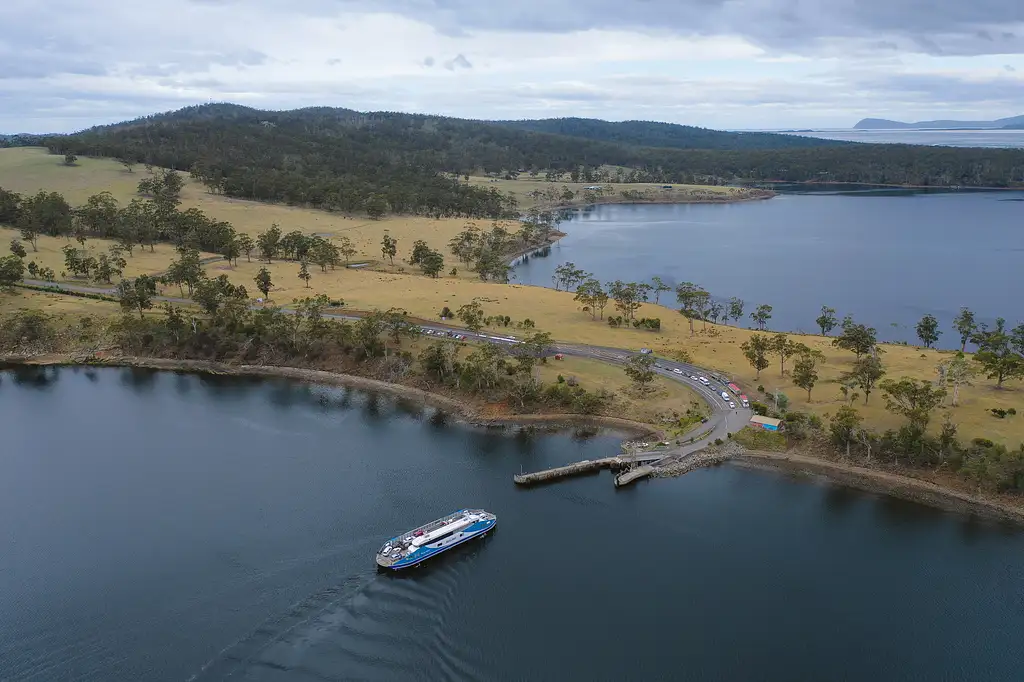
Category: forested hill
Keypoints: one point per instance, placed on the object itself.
(342, 159)
(672, 135)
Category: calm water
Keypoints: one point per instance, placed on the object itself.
(171, 527)
(887, 259)
(944, 138)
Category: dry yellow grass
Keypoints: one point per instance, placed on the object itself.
(663, 400)
(49, 255)
(55, 304)
(29, 169)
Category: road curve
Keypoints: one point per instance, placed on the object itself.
(723, 419)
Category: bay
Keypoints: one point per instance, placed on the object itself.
(884, 257)
(160, 526)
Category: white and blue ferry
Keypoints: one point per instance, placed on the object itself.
(419, 544)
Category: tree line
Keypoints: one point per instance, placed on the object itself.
(229, 329)
(404, 163)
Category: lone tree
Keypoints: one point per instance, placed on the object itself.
(755, 350)
(640, 370)
(805, 373)
(657, 286)
(12, 269)
(843, 427)
(388, 247)
(965, 326)
(1000, 354)
(432, 264)
(245, 245)
(913, 399)
(137, 294)
(472, 315)
(346, 249)
(865, 373)
(70, 158)
(928, 330)
(263, 282)
(783, 347)
(856, 338)
(593, 297)
(761, 316)
(827, 320)
(736, 309)
(18, 249)
(693, 302)
(304, 273)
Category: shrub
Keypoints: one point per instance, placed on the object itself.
(446, 313)
(1011, 411)
(718, 441)
(999, 412)
(760, 388)
(561, 379)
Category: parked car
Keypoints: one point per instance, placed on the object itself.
(677, 370)
(646, 351)
(703, 380)
(725, 396)
(732, 405)
(693, 378)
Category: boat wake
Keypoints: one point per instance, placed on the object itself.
(378, 627)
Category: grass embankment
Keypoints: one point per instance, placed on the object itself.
(715, 347)
(665, 401)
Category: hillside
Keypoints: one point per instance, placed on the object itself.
(886, 124)
(671, 135)
(338, 159)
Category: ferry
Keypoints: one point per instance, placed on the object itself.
(419, 544)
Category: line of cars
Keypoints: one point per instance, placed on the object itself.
(729, 399)
(441, 332)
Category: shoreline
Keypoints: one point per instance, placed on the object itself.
(846, 474)
(613, 201)
(461, 410)
(882, 482)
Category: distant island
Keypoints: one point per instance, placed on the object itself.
(1013, 122)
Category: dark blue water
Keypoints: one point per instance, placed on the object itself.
(165, 527)
(887, 260)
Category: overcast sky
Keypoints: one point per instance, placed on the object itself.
(69, 64)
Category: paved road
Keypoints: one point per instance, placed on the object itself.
(723, 419)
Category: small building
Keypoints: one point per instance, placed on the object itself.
(766, 423)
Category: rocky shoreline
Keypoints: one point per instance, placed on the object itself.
(459, 409)
(851, 475)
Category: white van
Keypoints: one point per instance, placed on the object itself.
(725, 396)
(704, 380)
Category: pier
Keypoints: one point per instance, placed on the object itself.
(585, 467)
(575, 469)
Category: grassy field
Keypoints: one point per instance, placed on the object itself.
(55, 304)
(29, 169)
(715, 347)
(664, 400)
(49, 255)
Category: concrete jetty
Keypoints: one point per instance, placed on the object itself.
(574, 469)
(627, 477)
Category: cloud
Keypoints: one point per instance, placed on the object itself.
(67, 64)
